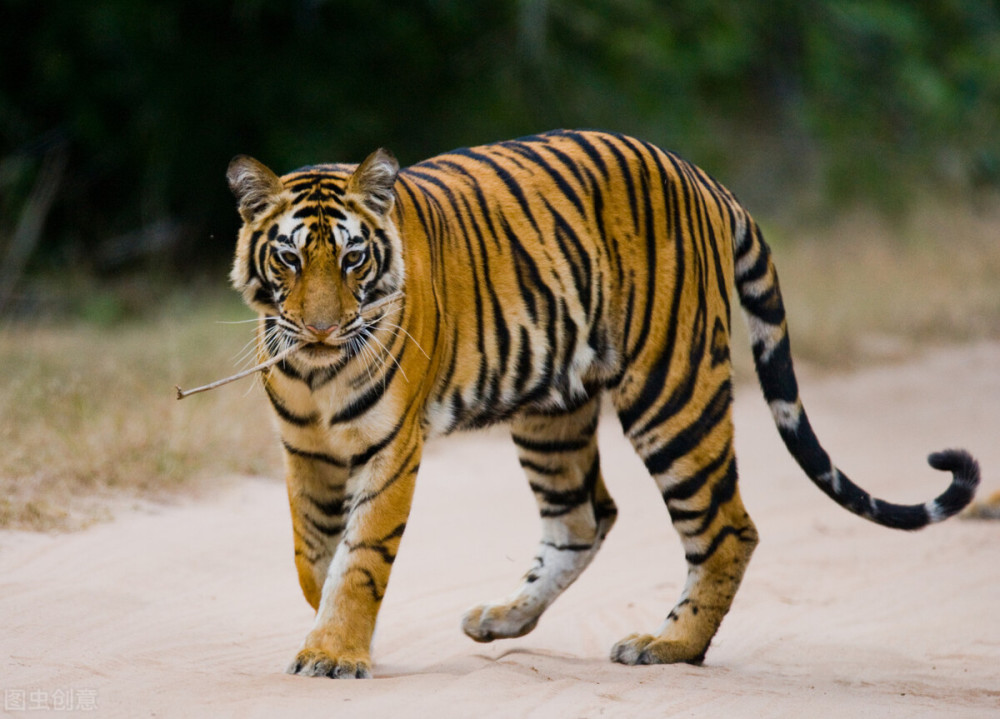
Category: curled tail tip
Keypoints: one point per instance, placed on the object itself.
(965, 479)
(960, 463)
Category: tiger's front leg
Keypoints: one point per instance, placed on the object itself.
(380, 493)
(316, 496)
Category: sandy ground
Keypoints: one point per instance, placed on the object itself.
(194, 610)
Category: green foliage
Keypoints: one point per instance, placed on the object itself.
(153, 98)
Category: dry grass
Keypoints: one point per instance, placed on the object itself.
(88, 416)
(864, 290)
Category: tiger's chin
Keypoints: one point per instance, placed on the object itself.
(316, 355)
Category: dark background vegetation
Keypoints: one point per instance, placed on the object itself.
(118, 118)
(863, 134)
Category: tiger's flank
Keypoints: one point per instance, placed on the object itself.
(518, 282)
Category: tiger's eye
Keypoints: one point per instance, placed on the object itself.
(289, 258)
(354, 257)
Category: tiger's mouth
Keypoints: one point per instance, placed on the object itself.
(349, 342)
(320, 349)
(332, 350)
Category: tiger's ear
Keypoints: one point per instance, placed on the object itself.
(256, 188)
(372, 182)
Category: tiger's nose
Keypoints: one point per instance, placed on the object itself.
(322, 331)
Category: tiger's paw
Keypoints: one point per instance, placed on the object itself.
(497, 621)
(648, 649)
(317, 663)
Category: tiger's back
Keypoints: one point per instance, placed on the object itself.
(558, 260)
(523, 280)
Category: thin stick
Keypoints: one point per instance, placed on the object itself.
(378, 304)
(182, 393)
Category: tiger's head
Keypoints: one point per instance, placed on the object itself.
(318, 255)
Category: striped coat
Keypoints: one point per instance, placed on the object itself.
(519, 282)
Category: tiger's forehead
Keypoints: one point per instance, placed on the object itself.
(318, 181)
(317, 211)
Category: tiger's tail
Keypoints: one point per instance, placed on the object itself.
(760, 296)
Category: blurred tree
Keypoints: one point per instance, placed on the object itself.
(150, 100)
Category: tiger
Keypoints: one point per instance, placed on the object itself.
(520, 282)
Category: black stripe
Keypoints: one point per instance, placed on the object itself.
(320, 377)
(252, 257)
(651, 241)
(692, 485)
(776, 375)
(315, 550)
(477, 294)
(421, 217)
(504, 176)
(720, 343)
(446, 378)
(691, 436)
(726, 531)
(528, 275)
(713, 250)
(567, 499)
(403, 471)
(371, 584)
(500, 330)
(581, 141)
(329, 508)
(556, 177)
(539, 468)
(568, 336)
(684, 389)
(363, 457)
(722, 491)
(569, 547)
(307, 211)
(263, 296)
(524, 364)
(287, 415)
(359, 405)
(377, 545)
(576, 255)
(656, 379)
(329, 529)
(755, 271)
(627, 174)
(481, 200)
(316, 456)
(571, 164)
(550, 446)
(629, 309)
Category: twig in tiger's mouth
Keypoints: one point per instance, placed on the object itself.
(380, 303)
(182, 393)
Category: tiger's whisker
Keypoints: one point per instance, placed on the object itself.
(239, 322)
(412, 338)
(252, 348)
(386, 353)
(378, 304)
(182, 393)
(248, 350)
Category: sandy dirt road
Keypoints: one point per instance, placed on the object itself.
(194, 610)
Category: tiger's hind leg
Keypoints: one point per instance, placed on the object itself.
(689, 451)
(559, 455)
